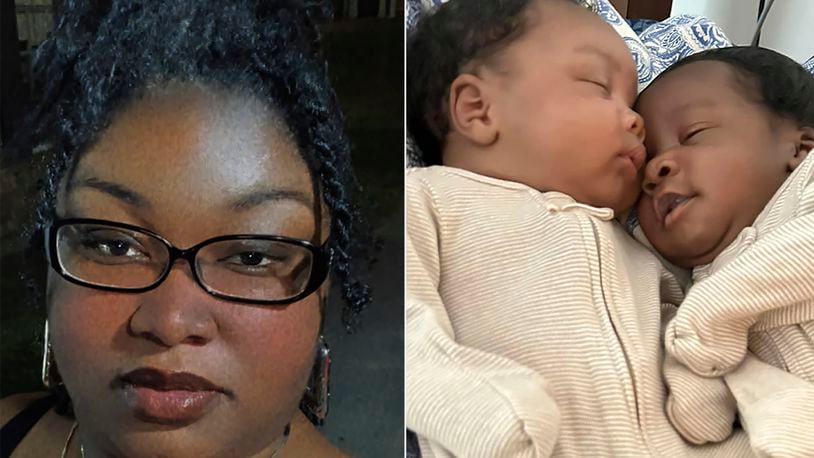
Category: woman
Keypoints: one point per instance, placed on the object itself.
(197, 202)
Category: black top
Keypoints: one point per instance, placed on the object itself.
(413, 450)
(15, 430)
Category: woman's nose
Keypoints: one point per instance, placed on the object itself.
(656, 171)
(176, 312)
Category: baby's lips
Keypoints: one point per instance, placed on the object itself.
(637, 154)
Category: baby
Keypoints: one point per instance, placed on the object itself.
(729, 193)
(533, 319)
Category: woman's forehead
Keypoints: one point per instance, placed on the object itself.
(189, 151)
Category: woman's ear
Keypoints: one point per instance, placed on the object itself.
(804, 144)
(470, 110)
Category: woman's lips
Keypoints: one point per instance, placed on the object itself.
(173, 407)
(177, 398)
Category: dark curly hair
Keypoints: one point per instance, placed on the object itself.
(772, 79)
(101, 55)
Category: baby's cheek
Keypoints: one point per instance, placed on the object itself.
(647, 217)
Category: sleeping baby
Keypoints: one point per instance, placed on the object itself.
(729, 193)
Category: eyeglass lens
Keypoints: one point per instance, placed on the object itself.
(114, 257)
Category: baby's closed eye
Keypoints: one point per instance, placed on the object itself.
(693, 131)
(599, 83)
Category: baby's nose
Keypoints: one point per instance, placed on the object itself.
(656, 171)
(634, 123)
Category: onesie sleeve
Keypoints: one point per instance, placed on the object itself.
(462, 401)
(775, 408)
(701, 409)
(771, 284)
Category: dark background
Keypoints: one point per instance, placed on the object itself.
(364, 47)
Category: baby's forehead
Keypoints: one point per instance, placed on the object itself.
(702, 84)
(702, 72)
(567, 29)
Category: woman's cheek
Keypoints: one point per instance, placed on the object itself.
(83, 324)
(275, 354)
(275, 342)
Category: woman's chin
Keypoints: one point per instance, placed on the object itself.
(127, 432)
(177, 442)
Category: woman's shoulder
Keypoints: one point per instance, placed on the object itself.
(11, 405)
(46, 435)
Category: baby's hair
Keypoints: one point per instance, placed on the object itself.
(443, 43)
(444, 40)
(103, 55)
(777, 82)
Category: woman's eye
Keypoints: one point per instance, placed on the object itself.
(253, 258)
(115, 247)
(111, 246)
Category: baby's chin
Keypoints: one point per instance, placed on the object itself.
(685, 248)
(621, 203)
(691, 260)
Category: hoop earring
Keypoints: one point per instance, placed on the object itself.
(50, 376)
(314, 403)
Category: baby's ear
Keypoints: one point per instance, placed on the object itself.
(804, 144)
(470, 110)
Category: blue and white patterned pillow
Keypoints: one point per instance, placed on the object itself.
(809, 65)
(677, 37)
(663, 43)
(638, 25)
(644, 64)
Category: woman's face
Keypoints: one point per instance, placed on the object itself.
(189, 164)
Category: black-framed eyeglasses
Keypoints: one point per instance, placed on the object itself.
(246, 268)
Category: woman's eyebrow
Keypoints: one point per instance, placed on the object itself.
(254, 198)
(116, 190)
